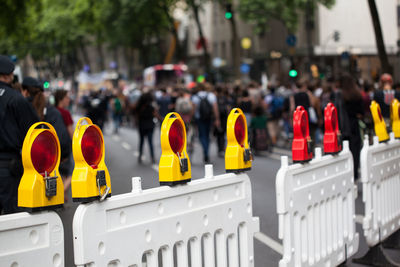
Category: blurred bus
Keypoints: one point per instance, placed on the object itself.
(164, 74)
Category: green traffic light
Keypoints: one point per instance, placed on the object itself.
(293, 73)
(46, 85)
(228, 15)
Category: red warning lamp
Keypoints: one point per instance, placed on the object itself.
(92, 146)
(90, 178)
(176, 137)
(332, 136)
(41, 186)
(240, 130)
(174, 167)
(301, 146)
(44, 153)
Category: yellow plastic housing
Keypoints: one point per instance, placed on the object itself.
(380, 126)
(169, 168)
(32, 187)
(234, 153)
(84, 177)
(395, 118)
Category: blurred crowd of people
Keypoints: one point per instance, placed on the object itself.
(205, 108)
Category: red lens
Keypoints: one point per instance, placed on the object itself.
(176, 136)
(240, 130)
(92, 145)
(44, 152)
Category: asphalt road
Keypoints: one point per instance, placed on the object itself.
(121, 160)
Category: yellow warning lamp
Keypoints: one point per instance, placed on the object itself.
(395, 117)
(41, 186)
(174, 167)
(90, 179)
(380, 126)
(238, 155)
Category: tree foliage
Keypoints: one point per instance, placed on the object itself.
(259, 12)
(46, 28)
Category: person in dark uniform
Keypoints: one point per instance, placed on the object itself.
(33, 92)
(16, 116)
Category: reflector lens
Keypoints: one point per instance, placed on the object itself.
(92, 145)
(44, 152)
(240, 130)
(176, 136)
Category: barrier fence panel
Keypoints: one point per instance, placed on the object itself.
(380, 176)
(207, 222)
(316, 208)
(31, 240)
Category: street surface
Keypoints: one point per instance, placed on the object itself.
(122, 163)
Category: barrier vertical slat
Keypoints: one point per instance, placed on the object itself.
(375, 201)
(330, 225)
(324, 230)
(317, 232)
(243, 243)
(310, 236)
(297, 238)
(195, 252)
(304, 238)
(340, 221)
(345, 212)
(233, 253)
(335, 223)
(221, 249)
(181, 254)
(151, 259)
(167, 256)
(209, 255)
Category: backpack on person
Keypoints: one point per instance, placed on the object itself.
(276, 107)
(205, 109)
(117, 105)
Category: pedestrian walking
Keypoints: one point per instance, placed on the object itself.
(206, 109)
(184, 107)
(353, 104)
(118, 106)
(258, 128)
(224, 107)
(146, 113)
(246, 105)
(304, 97)
(62, 102)
(16, 117)
(164, 102)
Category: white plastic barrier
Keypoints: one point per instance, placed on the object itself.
(315, 204)
(31, 240)
(205, 222)
(380, 176)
